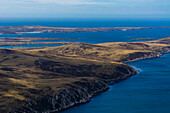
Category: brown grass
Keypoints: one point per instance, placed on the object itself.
(22, 79)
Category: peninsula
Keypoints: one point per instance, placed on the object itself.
(45, 29)
(51, 79)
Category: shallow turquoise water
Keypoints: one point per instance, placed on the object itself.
(146, 92)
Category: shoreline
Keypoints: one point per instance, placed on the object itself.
(115, 82)
(79, 69)
(110, 82)
(19, 41)
(156, 55)
(46, 29)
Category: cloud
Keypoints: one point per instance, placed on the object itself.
(73, 2)
(83, 8)
(76, 2)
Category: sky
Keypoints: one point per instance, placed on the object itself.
(85, 8)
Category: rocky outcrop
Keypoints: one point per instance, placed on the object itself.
(75, 94)
(78, 95)
(145, 55)
(79, 92)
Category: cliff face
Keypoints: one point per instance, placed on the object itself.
(145, 55)
(34, 83)
(79, 92)
(76, 93)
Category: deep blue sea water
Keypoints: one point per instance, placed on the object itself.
(97, 37)
(146, 92)
(92, 37)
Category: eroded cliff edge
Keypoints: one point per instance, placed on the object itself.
(33, 82)
(77, 93)
(55, 78)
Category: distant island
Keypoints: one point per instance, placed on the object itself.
(141, 39)
(45, 29)
(30, 40)
(51, 79)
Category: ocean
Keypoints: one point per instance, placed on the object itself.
(146, 92)
(92, 37)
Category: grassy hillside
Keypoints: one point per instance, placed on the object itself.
(115, 52)
(31, 74)
(27, 76)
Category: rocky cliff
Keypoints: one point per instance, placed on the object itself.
(145, 55)
(79, 92)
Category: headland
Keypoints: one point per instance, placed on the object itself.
(51, 79)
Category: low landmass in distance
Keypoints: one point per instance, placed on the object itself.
(45, 29)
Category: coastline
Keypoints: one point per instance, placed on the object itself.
(45, 29)
(71, 92)
(98, 74)
(75, 96)
(111, 83)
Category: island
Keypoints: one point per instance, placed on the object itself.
(139, 39)
(46, 29)
(31, 40)
(51, 79)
